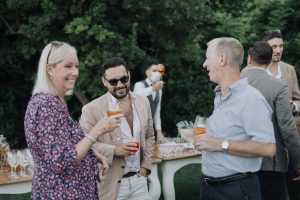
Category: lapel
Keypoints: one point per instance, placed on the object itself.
(140, 112)
(283, 71)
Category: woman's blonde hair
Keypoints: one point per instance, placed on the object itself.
(54, 53)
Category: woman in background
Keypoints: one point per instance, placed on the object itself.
(65, 167)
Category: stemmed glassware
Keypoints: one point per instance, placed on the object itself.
(12, 160)
(30, 161)
(113, 108)
(200, 125)
(23, 162)
(161, 69)
(134, 151)
(137, 148)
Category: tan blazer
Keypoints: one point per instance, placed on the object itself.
(91, 114)
(290, 78)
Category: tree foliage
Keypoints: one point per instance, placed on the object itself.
(175, 32)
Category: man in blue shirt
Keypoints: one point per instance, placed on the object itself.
(239, 132)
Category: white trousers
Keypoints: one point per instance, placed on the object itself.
(133, 188)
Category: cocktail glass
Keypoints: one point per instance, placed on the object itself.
(113, 109)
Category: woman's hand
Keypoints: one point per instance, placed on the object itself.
(103, 161)
(106, 125)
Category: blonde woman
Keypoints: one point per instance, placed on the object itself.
(65, 166)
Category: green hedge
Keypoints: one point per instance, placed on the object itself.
(172, 31)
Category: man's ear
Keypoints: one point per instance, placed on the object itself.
(103, 81)
(147, 72)
(249, 60)
(223, 59)
(129, 75)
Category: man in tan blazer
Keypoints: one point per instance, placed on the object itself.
(130, 164)
(286, 72)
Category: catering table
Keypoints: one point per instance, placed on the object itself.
(154, 185)
(14, 186)
(169, 166)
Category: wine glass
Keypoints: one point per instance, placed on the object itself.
(23, 162)
(161, 69)
(200, 126)
(137, 142)
(13, 162)
(113, 108)
(30, 161)
(137, 148)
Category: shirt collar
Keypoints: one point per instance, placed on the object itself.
(239, 85)
(279, 73)
(253, 67)
(148, 81)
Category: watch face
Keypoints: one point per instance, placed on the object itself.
(225, 145)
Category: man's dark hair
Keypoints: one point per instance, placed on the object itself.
(112, 62)
(261, 52)
(150, 62)
(268, 35)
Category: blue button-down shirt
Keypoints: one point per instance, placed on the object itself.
(243, 114)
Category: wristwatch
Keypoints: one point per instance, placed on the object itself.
(225, 145)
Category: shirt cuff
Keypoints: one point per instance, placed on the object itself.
(296, 107)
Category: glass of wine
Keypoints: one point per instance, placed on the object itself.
(137, 142)
(30, 161)
(113, 108)
(161, 69)
(137, 148)
(13, 162)
(200, 126)
(23, 162)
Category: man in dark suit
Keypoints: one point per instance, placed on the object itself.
(272, 173)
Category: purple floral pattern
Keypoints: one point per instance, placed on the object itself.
(51, 136)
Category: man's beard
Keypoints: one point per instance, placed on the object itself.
(276, 58)
(122, 94)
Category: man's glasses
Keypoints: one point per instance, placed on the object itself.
(55, 44)
(114, 82)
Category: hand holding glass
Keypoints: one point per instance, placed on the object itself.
(133, 143)
(137, 145)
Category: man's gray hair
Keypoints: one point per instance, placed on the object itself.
(231, 47)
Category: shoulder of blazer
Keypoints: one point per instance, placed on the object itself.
(140, 97)
(286, 67)
(94, 103)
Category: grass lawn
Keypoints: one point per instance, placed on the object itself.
(186, 181)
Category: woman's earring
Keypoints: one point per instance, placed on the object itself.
(51, 77)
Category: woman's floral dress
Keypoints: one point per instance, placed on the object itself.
(51, 136)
